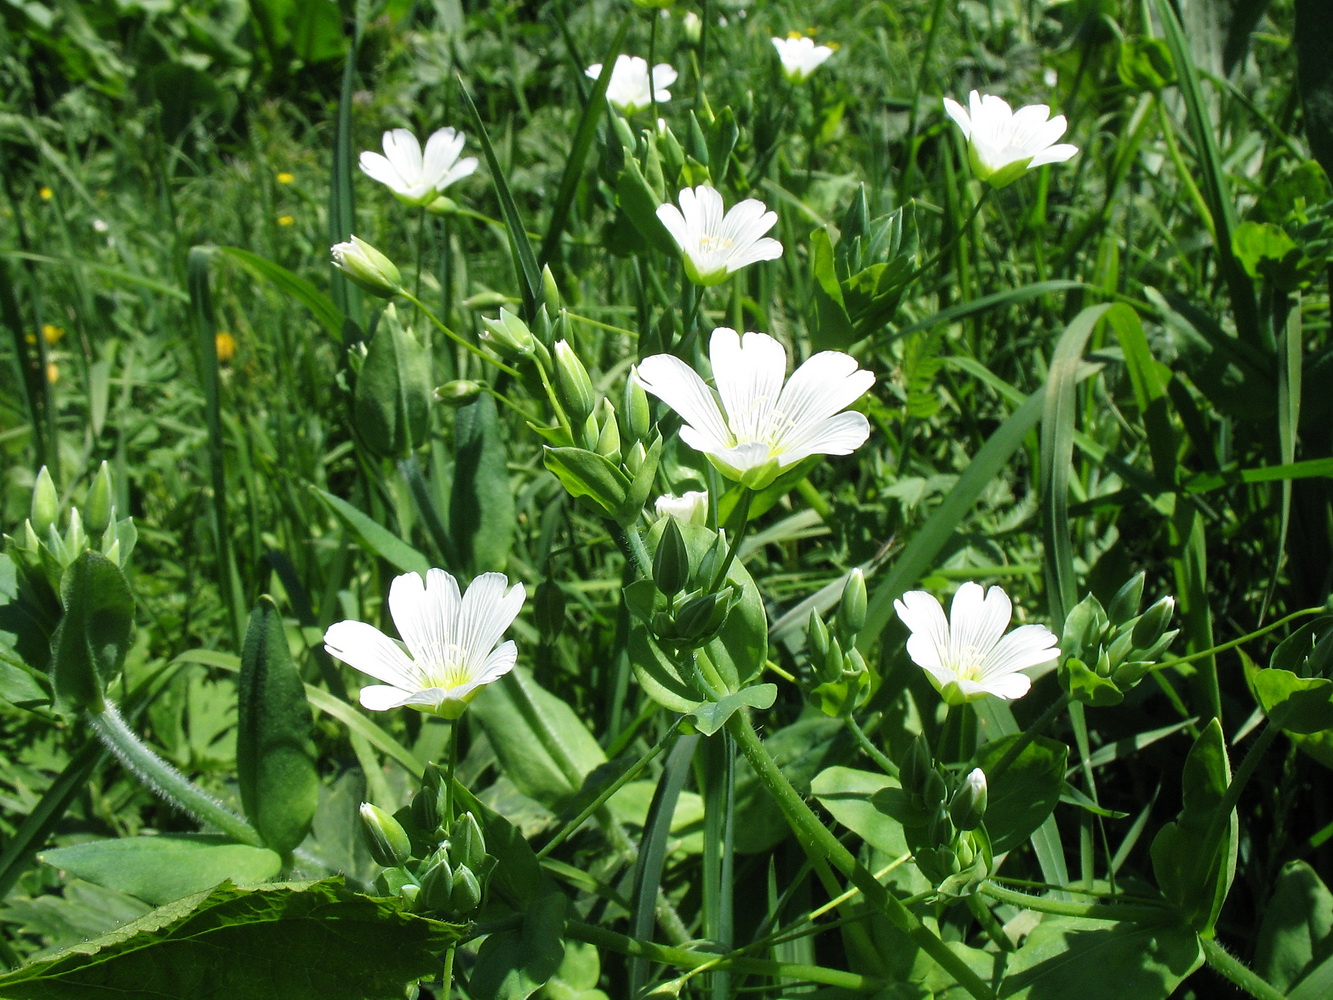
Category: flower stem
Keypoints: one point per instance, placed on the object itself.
(449, 776)
(1223, 962)
(871, 751)
(1214, 650)
(1088, 911)
(740, 517)
(164, 780)
(460, 341)
(958, 235)
(818, 841)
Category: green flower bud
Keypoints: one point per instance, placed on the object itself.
(550, 292)
(968, 806)
(467, 844)
(638, 417)
(437, 883)
(367, 268)
(45, 503)
(466, 895)
(459, 392)
(1119, 650)
(1082, 634)
(1149, 628)
(76, 539)
(509, 334)
(700, 617)
(1125, 604)
(852, 609)
(916, 767)
(817, 635)
(635, 458)
(396, 882)
(608, 439)
(388, 841)
(832, 666)
(549, 609)
(934, 791)
(486, 301)
(573, 387)
(98, 509)
(671, 561)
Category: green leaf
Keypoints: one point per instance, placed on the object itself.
(161, 869)
(275, 762)
(375, 538)
(94, 635)
(849, 794)
(710, 716)
(1300, 705)
(1296, 934)
(1266, 251)
(292, 941)
(1025, 792)
(585, 473)
(481, 503)
(514, 964)
(320, 305)
(1197, 886)
(391, 402)
(25, 645)
(1068, 957)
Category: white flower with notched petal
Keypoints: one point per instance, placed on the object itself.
(800, 56)
(415, 177)
(965, 656)
(715, 244)
(451, 638)
(1002, 144)
(690, 507)
(755, 427)
(630, 88)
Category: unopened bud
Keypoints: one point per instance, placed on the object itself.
(388, 841)
(467, 844)
(97, 509)
(467, 891)
(968, 807)
(1125, 604)
(671, 561)
(697, 618)
(509, 333)
(573, 387)
(1153, 624)
(832, 667)
(692, 27)
(818, 636)
(852, 608)
(608, 438)
(437, 883)
(367, 268)
(638, 417)
(550, 292)
(459, 392)
(45, 503)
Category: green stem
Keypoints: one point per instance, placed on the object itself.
(1223, 962)
(740, 517)
(164, 780)
(1214, 650)
(449, 778)
(456, 338)
(684, 958)
(871, 751)
(1089, 911)
(817, 840)
(447, 978)
(958, 235)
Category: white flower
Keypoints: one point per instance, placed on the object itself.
(414, 177)
(630, 90)
(1002, 144)
(367, 267)
(716, 244)
(965, 656)
(754, 427)
(800, 56)
(691, 507)
(451, 639)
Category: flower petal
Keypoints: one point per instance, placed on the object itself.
(748, 372)
(826, 383)
(679, 386)
(1026, 646)
(424, 614)
(372, 652)
(977, 619)
(955, 111)
(404, 152)
(382, 697)
(486, 612)
(928, 644)
(840, 434)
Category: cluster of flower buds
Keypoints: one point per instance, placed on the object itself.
(942, 815)
(844, 679)
(42, 553)
(436, 869)
(1109, 650)
(681, 607)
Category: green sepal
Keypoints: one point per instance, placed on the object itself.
(275, 763)
(89, 647)
(1087, 686)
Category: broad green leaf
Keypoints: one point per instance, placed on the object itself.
(1266, 251)
(24, 643)
(164, 868)
(94, 635)
(391, 401)
(1067, 957)
(514, 964)
(848, 793)
(292, 941)
(481, 504)
(1301, 705)
(275, 762)
(710, 716)
(543, 746)
(585, 473)
(1025, 792)
(1296, 934)
(1195, 885)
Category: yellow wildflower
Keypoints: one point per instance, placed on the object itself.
(52, 333)
(285, 178)
(52, 373)
(46, 193)
(225, 345)
(286, 220)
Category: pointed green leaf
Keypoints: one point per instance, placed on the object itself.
(481, 503)
(514, 964)
(1023, 794)
(710, 716)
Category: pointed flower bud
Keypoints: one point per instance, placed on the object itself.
(573, 387)
(509, 334)
(459, 392)
(968, 806)
(1125, 604)
(1153, 623)
(852, 609)
(97, 509)
(818, 636)
(671, 561)
(388, 841)
(45, 503)
(466, 895)
(467, 844)
(367, 268)
(638, 419)
(437, 883)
